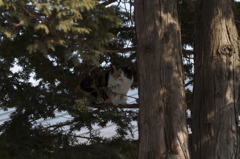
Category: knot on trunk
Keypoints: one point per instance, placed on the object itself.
(226, 49)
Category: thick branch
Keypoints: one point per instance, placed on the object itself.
(104, 105)
(125, 50)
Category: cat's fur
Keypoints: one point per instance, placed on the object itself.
(111, 87)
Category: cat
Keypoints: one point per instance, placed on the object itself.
(111, 86)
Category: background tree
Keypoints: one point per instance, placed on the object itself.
(162, 125)
(216, 89)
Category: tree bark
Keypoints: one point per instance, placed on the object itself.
(216, 90)
(162, 125)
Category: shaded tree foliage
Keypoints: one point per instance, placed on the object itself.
(57, 43)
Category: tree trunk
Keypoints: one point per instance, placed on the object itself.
(162, 125)
(216, 90)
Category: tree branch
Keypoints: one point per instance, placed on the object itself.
(188, 52)
(125, 29)
(59, 125)
(104, 105)
(188, 83)
(108, 2)
(123, 50)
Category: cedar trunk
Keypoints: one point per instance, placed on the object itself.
(216, 90)
(162, 125)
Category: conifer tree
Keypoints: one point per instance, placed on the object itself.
(216, 90)
(162, 126)
(57, 43)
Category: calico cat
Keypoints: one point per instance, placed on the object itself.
(111, 86)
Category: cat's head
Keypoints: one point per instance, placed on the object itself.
(121, 72)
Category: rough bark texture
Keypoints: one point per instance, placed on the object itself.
(162, 125)
(216, 91)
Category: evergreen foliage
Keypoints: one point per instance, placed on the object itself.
(57, 43)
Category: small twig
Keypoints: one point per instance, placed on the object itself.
(79, 136)
(108, 2)
(60, 125)
(188, 83)
(124, 50)
(188, 52)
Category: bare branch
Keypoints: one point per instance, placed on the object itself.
(188, 52)
(123, 50)
(104, 105)
(59, 125)
(188, 83)
(125, 29)
(108, 2)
